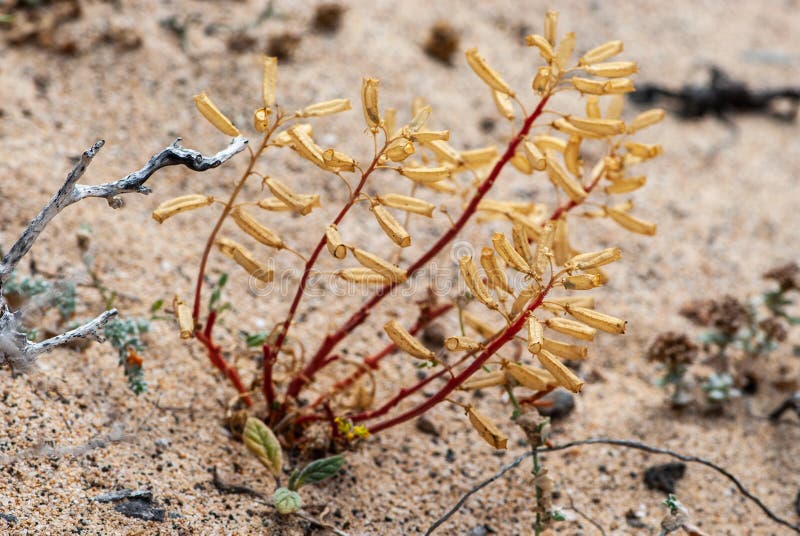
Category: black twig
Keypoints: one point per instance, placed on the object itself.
(597, 525)
(619, 443)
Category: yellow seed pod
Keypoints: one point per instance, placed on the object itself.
(561, 178)
(363, 276)
(462, 344)
(646, 119)
(628, 184)
(593, 259)
(542, 81)
(564, 51)
(167, 209)
(252, 227)
(284, 140)
(643, 150)
(261, 120)
(521, 163)
(305, 146)
(337, 161)
(531, 224)
(509, 254)
(616, 86)
(601, 53)
(521, 244)
(406, 342)
(535, 334)
(269, 81)
(559, 303)
(478, 158)
(572, 328)
(631, 223)
(444, 152)
(245, 259)
(612, 69)
(408, 204)
(420, 113)
(426, 175)
(214, 116)
(532, 378)
(545, 143)
(383, 267)
(590, 86)
(593, 107)
(430, 135)
(273, 204)
(504, 105)
(551, 26)
(601, 321)
(290, 198)
(489, 76)
(504, 207)
(564, 350)
(474, 282)
(399, 149)
(482, 328)
(544, 249)
(534, 155)
(445, 187)
(390, 121)
(329, 107)
(494, 272)
(545, 48)
(562, 250)
(572, 157)
(563, 375)
(615, 105)
(369, 102)
(184, 317)
(602, 127)
(525, 296)
(492, 379)
(333, 240)
(566, 127)
(391, 227)
(581, 281)
(487, 429)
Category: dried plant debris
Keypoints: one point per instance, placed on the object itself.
(39, 23)
(241, 41)
(442, 42)
(327, 18)
(283, 46)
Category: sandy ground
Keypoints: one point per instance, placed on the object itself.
(725, 215)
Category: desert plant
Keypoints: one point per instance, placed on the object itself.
(17, 350)
(436, 172)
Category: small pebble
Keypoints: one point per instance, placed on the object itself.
(140, 509)
(426, 426)
(664, 477)
(563, 403)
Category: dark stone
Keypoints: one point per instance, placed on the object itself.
(664, 477)
(450, 457)
(11, 518)
(426, 426)
(481, 530)
(140, 509)
(563, 403)
(633, 520)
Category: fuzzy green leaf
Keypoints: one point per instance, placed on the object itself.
(261, 441)
(319, 470)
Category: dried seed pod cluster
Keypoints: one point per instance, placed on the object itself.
(512, 286)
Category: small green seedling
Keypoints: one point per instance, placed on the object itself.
(261, 441)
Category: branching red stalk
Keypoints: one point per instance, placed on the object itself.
(373, 360)
(500, 341)
(298, 380)
(215, 356)
(331, 340)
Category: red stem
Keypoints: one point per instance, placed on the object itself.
(266, 385)
(372, 361)
(359, 316)
(215, 356)
(319, 360)
(507, 335)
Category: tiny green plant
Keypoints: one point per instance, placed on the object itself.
(739, 335)
(261, 442)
